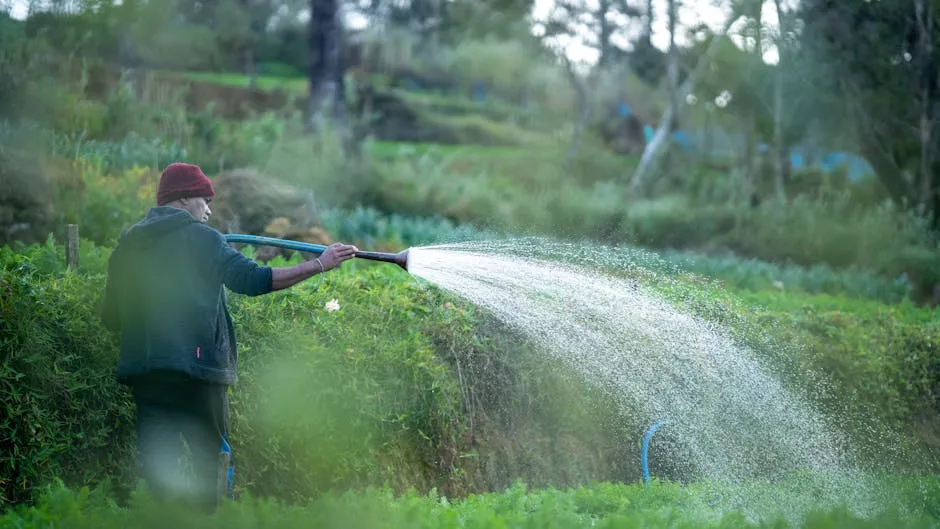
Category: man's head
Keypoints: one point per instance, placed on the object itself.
(185, 186)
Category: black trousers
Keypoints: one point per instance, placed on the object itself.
(171, 408)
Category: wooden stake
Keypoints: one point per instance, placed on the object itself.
(71, 246)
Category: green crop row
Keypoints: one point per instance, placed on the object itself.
(906, 503)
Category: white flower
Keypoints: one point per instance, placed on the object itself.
(331, 305)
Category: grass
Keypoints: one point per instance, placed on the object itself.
(264, 82)
(404, 150)
(471, 119)
(907, 503)
(428, 100)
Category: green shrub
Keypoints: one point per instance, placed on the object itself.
(371, 228)
(109, 156)
(280, 69)
(833, 230)
(63, 413)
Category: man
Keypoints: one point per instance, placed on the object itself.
(166, 302)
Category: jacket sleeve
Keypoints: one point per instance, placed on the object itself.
(237, 272)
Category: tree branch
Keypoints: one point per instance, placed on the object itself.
(659, 144)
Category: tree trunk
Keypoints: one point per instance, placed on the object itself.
(584, 111)
(658, 145)
(754, 168)
(889, 174)
(935, 202)
(780, 150)
(605, 31)
(781, 160)
(672, 71)
(255, 29)
(326, 68)
(927, 81)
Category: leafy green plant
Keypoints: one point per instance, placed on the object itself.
(64, 415)
(909, 503)
(372, 228)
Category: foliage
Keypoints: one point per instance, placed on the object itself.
(840, 233)
(602, 505)
(756, 275)
(63, 413)
(372, 229)
(877, 60)
(524, 190)
(528, 193)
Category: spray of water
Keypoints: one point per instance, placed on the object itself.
(735, 421)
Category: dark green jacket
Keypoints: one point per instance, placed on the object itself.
(165, 298)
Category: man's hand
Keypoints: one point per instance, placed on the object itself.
(335, 254)
(332, 257)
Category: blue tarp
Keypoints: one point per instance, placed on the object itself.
(683, 140)
(857, 167)
(479, 92)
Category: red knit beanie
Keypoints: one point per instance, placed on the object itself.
(183, 180)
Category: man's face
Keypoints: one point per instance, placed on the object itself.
(198, 208)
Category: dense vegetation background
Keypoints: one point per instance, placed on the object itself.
(779, 160)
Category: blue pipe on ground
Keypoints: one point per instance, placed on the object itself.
(644, 449)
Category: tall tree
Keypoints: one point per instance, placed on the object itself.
(593, 25)
(878, 61)
(781, 156)
(648, 61)
(753, 45)
(326, 101)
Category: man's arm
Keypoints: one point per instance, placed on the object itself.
(286, 277)
(243, 275)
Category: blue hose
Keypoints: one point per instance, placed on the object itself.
(280, 243)
(644, 449)
(400, 258)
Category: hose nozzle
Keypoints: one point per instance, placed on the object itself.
(400, 258)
